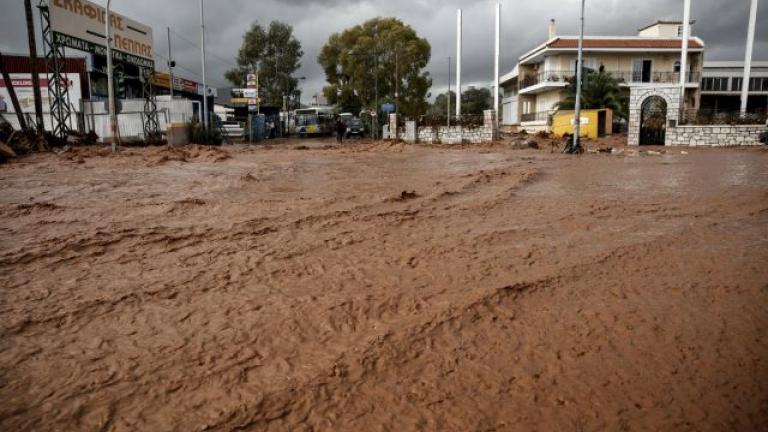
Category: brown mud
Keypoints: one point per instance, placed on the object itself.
(383, 287)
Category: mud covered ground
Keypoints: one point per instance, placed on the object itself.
(381, 287)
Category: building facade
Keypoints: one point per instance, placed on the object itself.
(533, 89)
(721, 86)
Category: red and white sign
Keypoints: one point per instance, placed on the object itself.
(22, 84)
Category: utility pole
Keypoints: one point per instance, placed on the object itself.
(579, 74)
(748, 57)
(171, 63)
(202, 54)
(497, 54)
(110, 80)
(397, 86)
(448, 95)
(458, 63)
(33, 62)
(684, 51)
(376, 85)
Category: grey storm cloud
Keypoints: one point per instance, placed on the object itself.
(721, 23)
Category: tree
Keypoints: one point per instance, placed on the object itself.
(475, 100)
(440, 107)
(383, 47)
(598, 90)
(276, 53)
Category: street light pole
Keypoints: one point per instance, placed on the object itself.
(497, 54)
(376, 81)
(684, 51)
(448, 95)
(579, 75)
(202, 52)
(170, 62)
(110, 79)
(748, 57)
(458, 63)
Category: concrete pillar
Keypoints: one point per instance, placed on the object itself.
(489, 121)
(393, 126)
(410, 132)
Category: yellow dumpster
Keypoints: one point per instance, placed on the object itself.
(594, 123)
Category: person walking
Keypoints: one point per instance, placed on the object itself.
(3, 105)
(341, 129)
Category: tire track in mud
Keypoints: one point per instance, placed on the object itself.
(358, 368)
(360, 364)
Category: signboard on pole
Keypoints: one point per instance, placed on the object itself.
(79, 24)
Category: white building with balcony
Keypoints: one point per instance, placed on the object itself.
(532, 90)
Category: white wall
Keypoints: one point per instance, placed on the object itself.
(509, 110)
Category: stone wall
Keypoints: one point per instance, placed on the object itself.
(427, 135)
(638, 93)
(444, 134)
(715, 135)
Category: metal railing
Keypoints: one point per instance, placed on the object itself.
(721, 117)
(537, 116)
(559, 77)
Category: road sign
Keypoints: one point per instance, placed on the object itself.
(388, 107)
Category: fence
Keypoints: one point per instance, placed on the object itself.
(537, 116)
(93, 116)
(721, 117)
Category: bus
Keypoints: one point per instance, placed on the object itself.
(313, 121)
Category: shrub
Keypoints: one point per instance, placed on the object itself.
(198, 135)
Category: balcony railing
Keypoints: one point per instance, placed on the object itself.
(537, 116)
(624, 77)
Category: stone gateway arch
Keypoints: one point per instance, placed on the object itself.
(651, 109)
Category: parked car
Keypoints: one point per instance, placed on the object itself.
(353, 123)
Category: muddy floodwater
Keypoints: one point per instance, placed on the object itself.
(384, 287)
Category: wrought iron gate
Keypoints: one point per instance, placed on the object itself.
(653, 121)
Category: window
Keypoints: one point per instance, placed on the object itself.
(758, 84)
(677, 66)
(714, 84)
(736, 83)
(679, 31)
(590, 65)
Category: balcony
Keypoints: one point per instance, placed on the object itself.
(538, 83)
(541, 116)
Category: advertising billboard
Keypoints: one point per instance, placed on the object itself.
(22, 84)
(79, 24)
(163, 79)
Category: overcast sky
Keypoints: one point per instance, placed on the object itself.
(721, 23)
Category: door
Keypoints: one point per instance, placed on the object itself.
(642, 70)
(601, 117)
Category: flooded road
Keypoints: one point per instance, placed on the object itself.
(384, 287)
